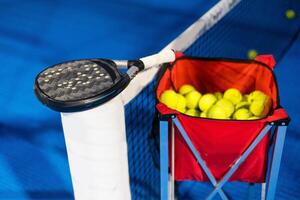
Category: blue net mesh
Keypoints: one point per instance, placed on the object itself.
(252, 25)
(144, 175)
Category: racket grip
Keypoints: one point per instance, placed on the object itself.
(163, 56)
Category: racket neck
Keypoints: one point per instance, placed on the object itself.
(134, 66)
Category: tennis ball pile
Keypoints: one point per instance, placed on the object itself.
(228, 105)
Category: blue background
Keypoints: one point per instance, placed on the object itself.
(35, 34)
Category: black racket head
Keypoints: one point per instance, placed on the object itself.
(79, 85)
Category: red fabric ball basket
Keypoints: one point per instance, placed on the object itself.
(221, 142)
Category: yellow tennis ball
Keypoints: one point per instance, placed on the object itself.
(256, 95)
(185, 89)
(192, 112)
(253, 118)
(261, 108)
(219, 95)
(192, 99)
(207, 101)
(242, 104)
(251, 54)
(227, 106)
(290, 14)
(182, 110)
(181, 103)
(257, 107)
(242, 114)
(217, 112)
(203, 114)
(233, 95)
(169, 98)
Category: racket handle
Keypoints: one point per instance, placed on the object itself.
(163, 56)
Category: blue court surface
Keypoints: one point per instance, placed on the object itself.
(34, 34)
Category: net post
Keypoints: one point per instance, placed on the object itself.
(275, 162)
(172, 178)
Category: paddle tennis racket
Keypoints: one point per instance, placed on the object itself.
(83, 84)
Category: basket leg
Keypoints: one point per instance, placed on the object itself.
(263, 194)
(263, 191)
(163, 138)
(275, 163)
(172, 178)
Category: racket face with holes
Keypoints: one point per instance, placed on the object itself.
(79, 85)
